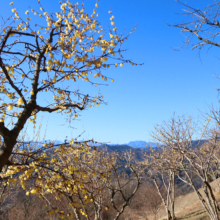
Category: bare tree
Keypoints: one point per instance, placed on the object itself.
(202, 24)
(161, 166)
(122, 181)
(196, 158)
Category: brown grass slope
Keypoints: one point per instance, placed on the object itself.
(189, 207)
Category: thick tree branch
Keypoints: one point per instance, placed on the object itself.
(46, 109)
(4, 132)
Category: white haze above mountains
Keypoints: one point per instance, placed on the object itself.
(141, 144)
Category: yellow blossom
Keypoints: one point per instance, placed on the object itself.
(54, 79)
(20, 101)
(10, 107)
(33, 191)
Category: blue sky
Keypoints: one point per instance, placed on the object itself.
(141, 96)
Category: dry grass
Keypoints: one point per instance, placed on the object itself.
(188, 207)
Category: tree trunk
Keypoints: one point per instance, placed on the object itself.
(172, 194)
(6, 150)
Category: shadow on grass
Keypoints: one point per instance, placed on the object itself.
(201, 215)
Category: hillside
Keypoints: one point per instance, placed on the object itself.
(189, 207)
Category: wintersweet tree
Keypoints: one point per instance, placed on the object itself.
(202, 27)
(73, 181)
(194, 160)
(162, 166)
(47, 57)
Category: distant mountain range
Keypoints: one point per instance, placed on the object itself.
(131, 144)
(134, 144)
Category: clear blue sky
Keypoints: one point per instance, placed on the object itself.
(141, 96)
